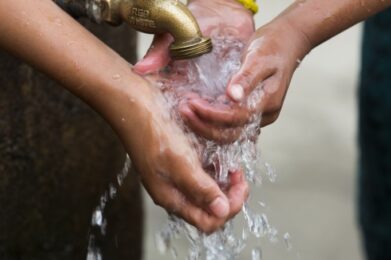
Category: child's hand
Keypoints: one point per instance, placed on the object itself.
(224, 17)
(169, 166)
(272, 55)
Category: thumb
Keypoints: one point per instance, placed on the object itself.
(157, 56)
(204, 192)
(252, 71)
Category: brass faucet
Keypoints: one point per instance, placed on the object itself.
(149, 16)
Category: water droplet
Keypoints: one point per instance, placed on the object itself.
(112, 191)
(257, 227)
(103, 227)
(271, 173)
(287, 241)
(70, 43)
(97, 217)
(116, 77)
(174, 253)
(103, 200)
(163, 242)
(272, 235)
(94, 254)
(256, 254)
(258, 180)
(57, 21)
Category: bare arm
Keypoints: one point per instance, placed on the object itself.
(46, 37)
(275, 50)
(302, 26)
(271, 57)
(320, 20)
(276, 47)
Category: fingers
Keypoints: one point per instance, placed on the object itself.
(157, 56)
(207, 130)
(168, 197)
(237, 193)
(197, 186)
(174, 201)
(252, 72)
(271, 104)
(219, 115)
(199, 218)
(199, 200)
(269, 119)
(204, 192)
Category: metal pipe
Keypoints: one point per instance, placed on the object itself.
(149, 16)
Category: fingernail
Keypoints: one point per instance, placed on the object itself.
(236, 92)
(219, 207)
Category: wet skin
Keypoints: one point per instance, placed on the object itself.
(214, 19)
(43, 35)
(272, 56)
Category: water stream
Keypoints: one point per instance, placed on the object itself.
(207, 77)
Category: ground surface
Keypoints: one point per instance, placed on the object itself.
(313, 148)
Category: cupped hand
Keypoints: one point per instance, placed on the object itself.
(268, 63)
(169, 166)
(222, 18)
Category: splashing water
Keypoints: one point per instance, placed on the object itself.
(207, 77)
(98, 220)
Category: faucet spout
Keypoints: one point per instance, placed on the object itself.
(160, 16)
(149, 16)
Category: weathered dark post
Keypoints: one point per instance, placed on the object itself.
(57, 156)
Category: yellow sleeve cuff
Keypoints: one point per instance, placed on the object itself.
(250, 5)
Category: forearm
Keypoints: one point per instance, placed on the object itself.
(44, 36)
(320, 20)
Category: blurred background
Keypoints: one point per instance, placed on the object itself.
(312, 146)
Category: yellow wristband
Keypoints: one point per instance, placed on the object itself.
(250, 5)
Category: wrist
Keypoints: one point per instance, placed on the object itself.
(226, 3)
(133, 109)
(223, 17)
(122, 99)
(300, 41)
